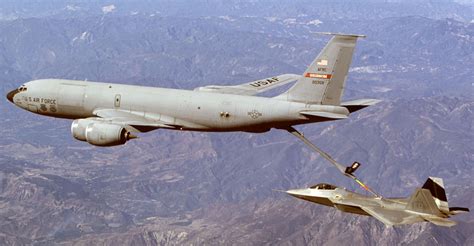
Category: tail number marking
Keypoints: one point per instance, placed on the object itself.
(318, 82)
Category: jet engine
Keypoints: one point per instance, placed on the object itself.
(99, 133)
(78, 128)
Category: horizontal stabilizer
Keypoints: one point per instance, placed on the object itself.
(359, 104)
(326, 115)
(440, 221)
(341, 34)
(458, 210)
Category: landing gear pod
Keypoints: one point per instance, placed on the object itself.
(352, 168)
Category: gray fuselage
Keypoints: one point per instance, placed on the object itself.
(191, 110)
(347, 201)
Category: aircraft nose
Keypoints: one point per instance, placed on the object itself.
(12, 94)
(296, 192)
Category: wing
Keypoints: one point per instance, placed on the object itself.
(252, 88)
(392, 217)
(134, 121)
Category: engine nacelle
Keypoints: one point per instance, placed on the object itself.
(78, 128)
(99, 133)
(104, 134)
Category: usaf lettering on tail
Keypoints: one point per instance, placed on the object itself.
(107, 114)
(265, 82)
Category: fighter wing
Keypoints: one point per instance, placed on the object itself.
(133, 121)
(251, 88)
(391, 217)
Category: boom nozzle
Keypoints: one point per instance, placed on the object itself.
(352, 168)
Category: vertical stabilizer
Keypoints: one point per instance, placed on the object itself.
(324, 80)
(436, 187)
(422, 202)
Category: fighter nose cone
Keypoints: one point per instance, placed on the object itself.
(296, 192)
(11, 94)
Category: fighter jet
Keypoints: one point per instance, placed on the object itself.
(107, 114)
(426, 204)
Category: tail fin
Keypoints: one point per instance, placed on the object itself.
(422, 202)
(436, 187)
(323, 81)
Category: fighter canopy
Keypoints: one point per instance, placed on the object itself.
(323, 186)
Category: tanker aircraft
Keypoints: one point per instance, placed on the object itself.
(426, 204)
(107, 114)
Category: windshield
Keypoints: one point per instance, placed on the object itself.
(22, 88)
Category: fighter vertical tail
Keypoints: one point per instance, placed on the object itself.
(431, 201)
(422, 202)
(436, 188)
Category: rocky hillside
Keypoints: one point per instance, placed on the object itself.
(189, 187)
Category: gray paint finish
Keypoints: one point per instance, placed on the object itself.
(421, 206)
(101, 107)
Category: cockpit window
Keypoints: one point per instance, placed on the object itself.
(22, 88)
(323, 186)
